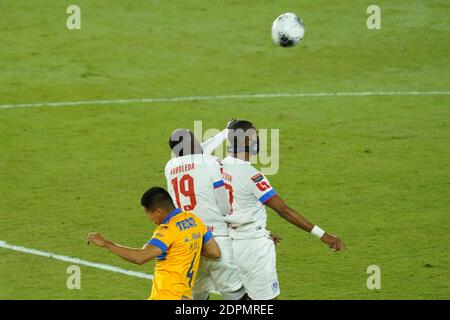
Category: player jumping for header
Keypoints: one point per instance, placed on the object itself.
(195, 182)
(250, 191)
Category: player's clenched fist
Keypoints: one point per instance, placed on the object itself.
(96, 238)
(333, 242)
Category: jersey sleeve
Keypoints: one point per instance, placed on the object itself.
(212, 143)
(162, 238)
(207, 235)
(220, 193)
(260, 186)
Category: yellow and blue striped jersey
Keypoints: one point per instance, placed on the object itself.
(180, 238)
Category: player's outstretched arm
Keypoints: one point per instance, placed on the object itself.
(134, 255)
(212, 143)
(279, 206)
(210, 249)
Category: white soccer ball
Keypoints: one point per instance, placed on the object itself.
(288, 30)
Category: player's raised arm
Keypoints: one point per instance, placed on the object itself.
(212, 143)
(279, 206)
(134, 255)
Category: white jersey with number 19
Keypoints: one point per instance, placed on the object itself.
(195, 184)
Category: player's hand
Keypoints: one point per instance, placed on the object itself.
(333, 242)
(276, 239)
(96, 238)
(230, 121)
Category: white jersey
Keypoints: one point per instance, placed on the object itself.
(195, 184)
(250, 191)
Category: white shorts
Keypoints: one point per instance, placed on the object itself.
(256, 260)
(221, 275)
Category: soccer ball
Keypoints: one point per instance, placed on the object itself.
(288, 30)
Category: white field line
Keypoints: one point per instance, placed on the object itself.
(102, 266)
(227, 97)
(5, 245)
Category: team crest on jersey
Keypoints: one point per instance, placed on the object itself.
(257, 178)
(275, 286)
(159, 235)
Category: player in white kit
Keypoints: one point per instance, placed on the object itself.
(253, 248)
(195, 183)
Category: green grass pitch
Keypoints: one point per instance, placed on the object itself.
(374, 170)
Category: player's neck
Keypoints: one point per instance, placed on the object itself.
(244, 156)
(191, 153)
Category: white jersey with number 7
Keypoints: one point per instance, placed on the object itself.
(250, 190)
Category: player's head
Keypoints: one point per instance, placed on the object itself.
(183, 142)
(243, 138)
(157, 204)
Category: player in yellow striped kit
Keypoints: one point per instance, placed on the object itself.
(177, 243)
